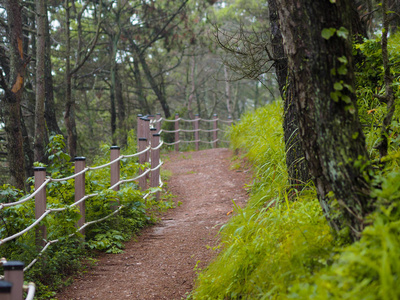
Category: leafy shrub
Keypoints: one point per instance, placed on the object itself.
(278, 249)
(64, 258)
(272, 243)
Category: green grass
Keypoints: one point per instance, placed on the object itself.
(281, 248)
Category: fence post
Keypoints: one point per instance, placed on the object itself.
(147, 136)
(80, 164)
(151, 118)
(215, 130)
(14, 273)
(196, 133)
(155, 160)
(40, 205)
(177, 132)
(114, 168)
(142, 160)
(5, 290)
(158, 123)
(139, 127)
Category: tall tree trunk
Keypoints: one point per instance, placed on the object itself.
(298, 173)
(123, 135)
(113, 71)
(39, 144)
(227, 91)
(317, 41)
(144, 105)
(13, 94)
(49, 108)
(153, 83)
(193, 87)
(69, 115)
(81, 57)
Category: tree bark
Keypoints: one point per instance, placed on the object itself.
(123, 135)
(227, 91)
(13, 94)
(49, 109)
(144, 105)
(192, 93)
(331, 134)
(69, 115)
(153, 83)
(297, 168)
(39, 142)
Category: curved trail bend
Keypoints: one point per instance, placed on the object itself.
(160, 264)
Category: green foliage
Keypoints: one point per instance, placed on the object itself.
(275, 248)
(273, 242)
(370, 82)
(368, 269)
(64, 258)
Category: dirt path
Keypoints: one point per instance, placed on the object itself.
(160, 264)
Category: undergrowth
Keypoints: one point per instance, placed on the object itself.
(65, 258)
(281, 248)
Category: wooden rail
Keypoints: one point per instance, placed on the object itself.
(149, 144)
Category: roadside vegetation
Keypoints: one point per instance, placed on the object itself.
(74, 254)
(280, 245)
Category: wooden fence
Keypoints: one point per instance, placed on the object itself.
(149, 144)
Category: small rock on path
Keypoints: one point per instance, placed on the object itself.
(160, 264)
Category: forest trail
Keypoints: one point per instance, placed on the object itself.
(160, 264)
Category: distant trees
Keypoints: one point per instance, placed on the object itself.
(85, 68)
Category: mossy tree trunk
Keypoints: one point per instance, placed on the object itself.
(317, 41)
(296, 165)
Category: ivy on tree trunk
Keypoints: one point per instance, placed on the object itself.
(317, 41)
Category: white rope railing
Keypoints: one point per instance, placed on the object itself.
(48, 243)
(191, 120)
(209, 130)
(226, 121)
(47, 180)
(50, 210)
(174, 143)
(31, 291)
(172, 121)
(158, 147)
(2, 205)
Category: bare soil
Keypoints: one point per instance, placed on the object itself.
(160, 263)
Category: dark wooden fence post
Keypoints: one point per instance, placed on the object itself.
(139, 128)
(196, 132)
(147, 136)
(142, 160)
(5, 290)
(40, 205)
(14, 273)
(158, 124)
(215, 130)
(177, 132)
(114, 168)
(155, 160)
(151, 118)
(80, 164)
